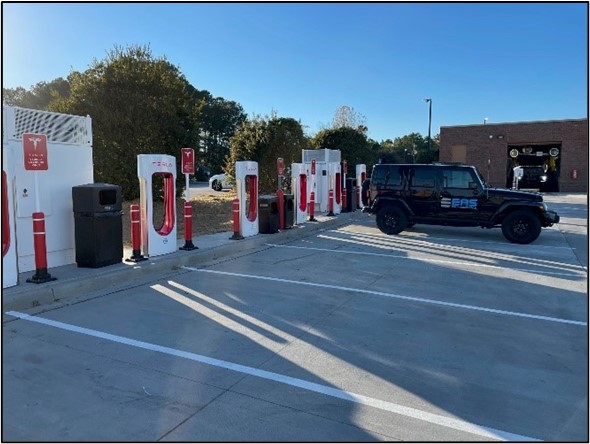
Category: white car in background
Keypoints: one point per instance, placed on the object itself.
(218, 183)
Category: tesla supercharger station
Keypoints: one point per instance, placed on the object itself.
(361, 175)
(160, 239)
(301, 186)
(335, 171)
(323, 185)
(9, 257)
(247, 190)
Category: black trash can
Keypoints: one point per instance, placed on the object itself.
(98, 224)
(351, 194)
(364, 200)
(289, 210)
(268, 214)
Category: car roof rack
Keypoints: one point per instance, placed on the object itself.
(449, 163)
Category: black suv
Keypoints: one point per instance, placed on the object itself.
(454, 195)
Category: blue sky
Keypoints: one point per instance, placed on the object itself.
(504, 61)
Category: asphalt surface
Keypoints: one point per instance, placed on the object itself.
(327, 332)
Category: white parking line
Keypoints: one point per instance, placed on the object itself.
(427, 239)
(440, 261)
(397, 296)
(387, 406)
(418, 236)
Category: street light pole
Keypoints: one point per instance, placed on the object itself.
(429, 100)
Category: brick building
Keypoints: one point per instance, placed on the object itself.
(553, 154)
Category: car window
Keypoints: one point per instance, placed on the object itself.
(378, 174)
(422, 177)
(458, 179)
(388, 177)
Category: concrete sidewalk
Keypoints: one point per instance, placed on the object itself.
(75, 283)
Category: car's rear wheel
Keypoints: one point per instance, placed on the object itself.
(391, 220)
(521, 227)
(216, 185)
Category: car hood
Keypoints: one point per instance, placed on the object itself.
(506, 194)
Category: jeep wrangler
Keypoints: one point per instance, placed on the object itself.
(401, 195)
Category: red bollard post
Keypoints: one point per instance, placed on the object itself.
(41, 275)
(331, 203)
(236, 213)
(188, 228)
(312, 207)
(343, 199)
(136, 255)
(281, 199)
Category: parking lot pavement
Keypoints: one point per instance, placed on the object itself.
(573, 210)
(442, 334)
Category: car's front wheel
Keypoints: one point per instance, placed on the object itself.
(391, 220)
(521, 227)
(216, 185)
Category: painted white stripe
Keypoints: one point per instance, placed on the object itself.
(440, 261)
(402, 241)
(387, 406)
(397, 296)
(452, 239)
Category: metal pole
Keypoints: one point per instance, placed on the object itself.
(429, 127)
(37, 200)
(429, 100)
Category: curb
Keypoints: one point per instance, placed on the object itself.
(126, 275)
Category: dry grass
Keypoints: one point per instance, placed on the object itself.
(211, 214)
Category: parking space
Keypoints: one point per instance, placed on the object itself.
(434, 334)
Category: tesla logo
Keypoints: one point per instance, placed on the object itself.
(162, 163)
(35, 141)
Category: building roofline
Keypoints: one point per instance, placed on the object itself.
(531, 122)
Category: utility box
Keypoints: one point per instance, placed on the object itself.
(268, 214)
(69, 163)
(326, 177)
(98, 224)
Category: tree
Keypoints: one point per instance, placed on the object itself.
(139, 105)
(411, 148)
(347, 117)
(39, 96)
(353, 144)
(264, 140)
(218, 119)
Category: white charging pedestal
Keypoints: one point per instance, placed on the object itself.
(361, 175)
(9, 256)
(301, 186)
(334, 170)
(247, 190)
(161, 239)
